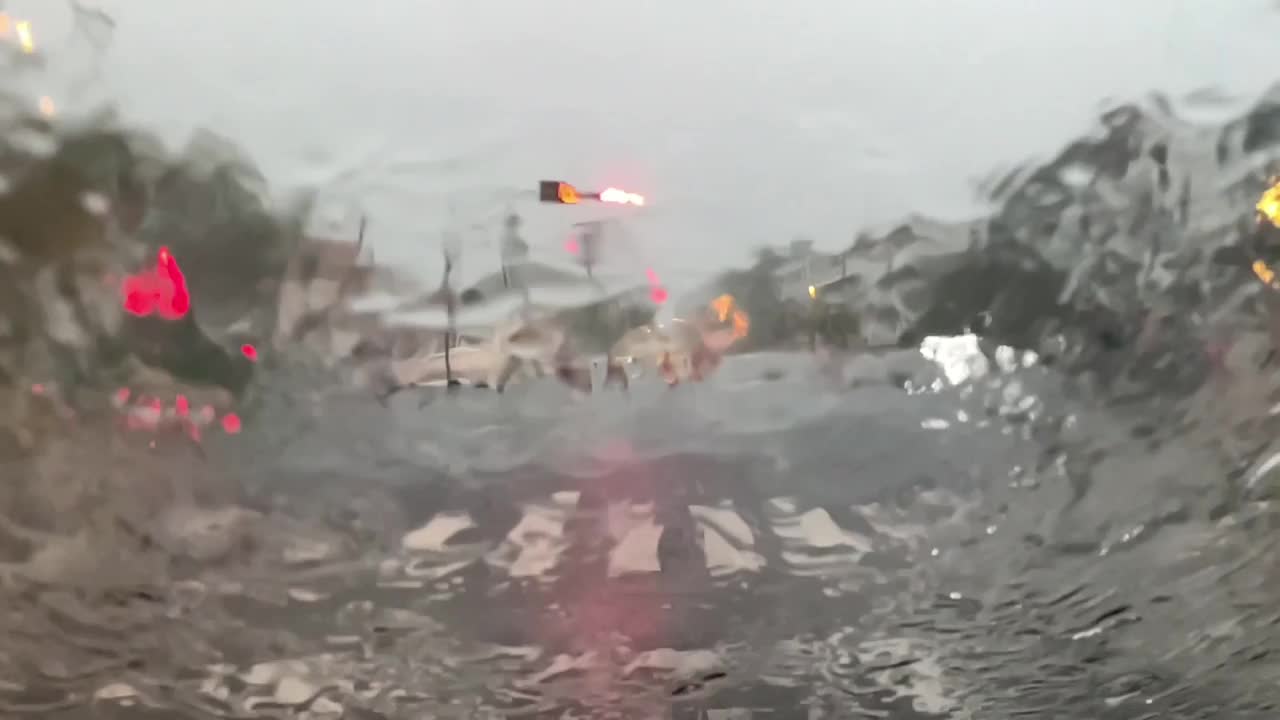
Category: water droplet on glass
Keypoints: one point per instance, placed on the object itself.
(231, 423)
(8, 253)
(33, 141)
(95, 203)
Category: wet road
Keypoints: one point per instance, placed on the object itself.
(777, 546)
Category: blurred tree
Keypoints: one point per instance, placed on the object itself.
(834, 324)
(209, 207)
(47, 215)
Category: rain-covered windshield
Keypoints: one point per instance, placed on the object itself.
(754, 360)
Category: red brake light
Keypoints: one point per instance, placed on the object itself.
(231, 423)
(161, 290)
(657, 293)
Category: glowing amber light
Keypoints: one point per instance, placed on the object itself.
(6, 26)
(1269, 204)
(25, 39)
(722, 306)
(1264, 273)
(567, 193)
(46, 106)
(726, 309)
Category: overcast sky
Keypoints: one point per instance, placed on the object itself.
(744, 122)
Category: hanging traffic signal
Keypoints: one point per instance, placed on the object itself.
(555, 191)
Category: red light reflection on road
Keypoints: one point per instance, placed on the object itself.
(150, 414)
(602, 608)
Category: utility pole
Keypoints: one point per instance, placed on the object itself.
(589, 236)
(513, 247)
(450, 251)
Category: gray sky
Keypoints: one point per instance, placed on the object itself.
(744, 122)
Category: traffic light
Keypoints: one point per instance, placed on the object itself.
(554, 191)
